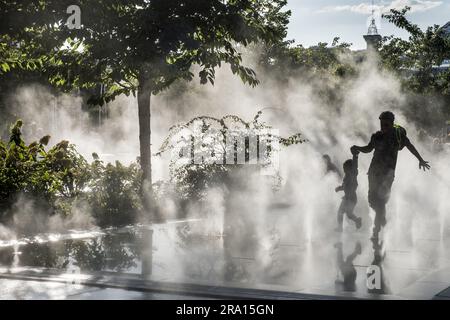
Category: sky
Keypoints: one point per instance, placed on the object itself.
(314, 21)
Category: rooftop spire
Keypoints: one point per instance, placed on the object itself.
(373, 38)
(373, 30)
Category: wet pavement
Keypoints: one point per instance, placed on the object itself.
(196, 259)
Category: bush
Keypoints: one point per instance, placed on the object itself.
(60, 176)
(114, 192)
(192, 180)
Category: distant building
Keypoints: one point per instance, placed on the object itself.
(446, 63)
(443, 67)
(373, 38)
(446, 29)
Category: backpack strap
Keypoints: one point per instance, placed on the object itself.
(398, 134)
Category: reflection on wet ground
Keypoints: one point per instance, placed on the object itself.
(249, 256)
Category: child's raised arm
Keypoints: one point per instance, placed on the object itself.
(355, 163)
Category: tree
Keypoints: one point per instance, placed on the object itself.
(423, 51)
(416, 62)
(142, 47)
(285, 59)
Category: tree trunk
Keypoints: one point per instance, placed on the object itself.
(144, 94)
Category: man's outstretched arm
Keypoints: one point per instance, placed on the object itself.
(422, 163)
(364, 149)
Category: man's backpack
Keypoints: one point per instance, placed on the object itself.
(400, 132)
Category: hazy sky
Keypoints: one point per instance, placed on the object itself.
(314, 21)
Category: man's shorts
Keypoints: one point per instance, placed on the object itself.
(380, 188)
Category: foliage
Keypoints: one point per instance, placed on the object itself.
(114, 192)
(423, 51)
(30, 169)
(416, 62)
(154, 40)
(60, 175)
(284, 59)
(191, 178)
(142, 46)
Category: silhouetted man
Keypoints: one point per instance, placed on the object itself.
(386, 144)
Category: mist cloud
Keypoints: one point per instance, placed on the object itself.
(255, 223)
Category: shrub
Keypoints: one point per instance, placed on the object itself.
(60, 176)
(114, 192)
(192, 180)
